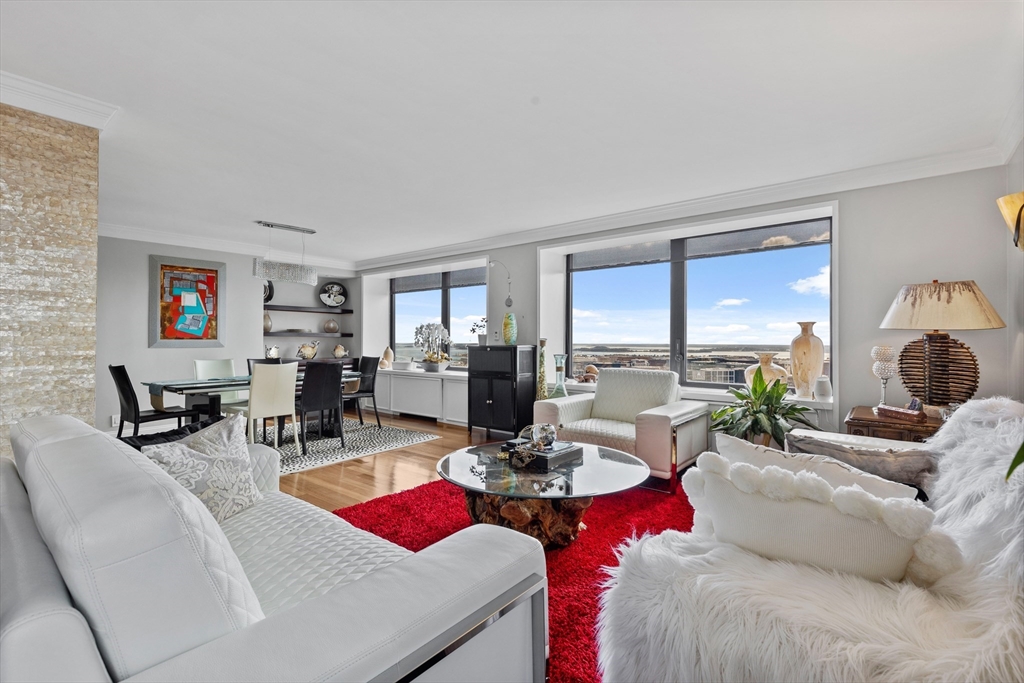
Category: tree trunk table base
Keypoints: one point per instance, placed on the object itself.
(555, 522)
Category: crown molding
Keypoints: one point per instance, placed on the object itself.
(41, 98)
(1012, 130)
(871, 176)
(338, 267)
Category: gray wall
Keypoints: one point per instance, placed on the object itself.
(122, 336)
(122, 310)
(1015, 285)
(945, 228)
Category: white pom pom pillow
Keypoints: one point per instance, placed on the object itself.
(800, 517)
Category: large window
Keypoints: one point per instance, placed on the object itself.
(703, 306)
(457, 299)
(620, 301)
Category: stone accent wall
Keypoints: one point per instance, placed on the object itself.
(49, 185)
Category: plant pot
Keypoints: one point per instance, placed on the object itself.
(760, 439)
(481, 339)
(434, 367)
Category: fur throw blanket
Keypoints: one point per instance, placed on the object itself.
(683, 607)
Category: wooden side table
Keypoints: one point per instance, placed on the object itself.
(862, 421)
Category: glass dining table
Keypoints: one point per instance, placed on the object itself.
(211, 389)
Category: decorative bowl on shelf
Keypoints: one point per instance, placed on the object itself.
(299, 330)
(403, 365)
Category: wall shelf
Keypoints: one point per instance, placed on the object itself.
(322, 335)
(309, 309)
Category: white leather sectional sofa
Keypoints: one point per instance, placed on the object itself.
(110, 570)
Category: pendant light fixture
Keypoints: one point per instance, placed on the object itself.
(287, 272)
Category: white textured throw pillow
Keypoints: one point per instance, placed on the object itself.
(835, 472)
(800, 517)
(213, 464)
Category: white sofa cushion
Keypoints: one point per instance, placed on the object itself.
(601, 432)
(801, 518)
(622, 393)
(143, 559)
(214, 465)
(833, 471)
(292, 551)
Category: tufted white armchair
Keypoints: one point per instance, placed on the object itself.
(636, 411)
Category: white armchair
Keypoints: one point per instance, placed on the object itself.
(635, 411)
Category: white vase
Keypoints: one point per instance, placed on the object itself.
(806, 360)
(769, 370)
(822, 388)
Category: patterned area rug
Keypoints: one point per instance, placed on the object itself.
(360, 440)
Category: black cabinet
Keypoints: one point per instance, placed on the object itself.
(502, 386)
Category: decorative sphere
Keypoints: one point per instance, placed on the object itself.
(884, 369)
(883, 353)
(544, 435)
(331, 326)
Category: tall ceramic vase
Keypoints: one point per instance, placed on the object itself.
(807, 359)
(769, 370)
(542, 373)
(510, 330)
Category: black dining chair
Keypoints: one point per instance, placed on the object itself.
(321, 391)
(130, 405)
(367, 382)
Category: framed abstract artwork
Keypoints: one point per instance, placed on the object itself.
(186, 302)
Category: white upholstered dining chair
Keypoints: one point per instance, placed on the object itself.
(271, 394)
(221, 368)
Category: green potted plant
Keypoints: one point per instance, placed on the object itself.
(760, 413)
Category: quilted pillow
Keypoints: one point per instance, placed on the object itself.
(800, 517)
(833, 471)
(213, 464)
(912, 467)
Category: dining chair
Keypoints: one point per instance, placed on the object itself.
(321, 391)
(222, 368)
(269, 361)
(271, 394)
(130, 405)
(367, 384)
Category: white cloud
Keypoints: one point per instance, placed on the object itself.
(815, 284)
(785, 327)
(778, 241)
(823, 237)
(580, 313)
(731, 302)
(725, 328)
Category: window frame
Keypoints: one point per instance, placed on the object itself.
(446, 307)
(678, 281)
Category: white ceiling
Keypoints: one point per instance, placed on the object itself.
(394, 127)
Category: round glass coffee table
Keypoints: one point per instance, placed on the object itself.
(546, 505)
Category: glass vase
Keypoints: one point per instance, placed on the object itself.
(559, 390)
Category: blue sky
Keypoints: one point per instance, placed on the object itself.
(468, 305)
(743, 299)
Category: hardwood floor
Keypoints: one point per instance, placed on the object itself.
(360, 479)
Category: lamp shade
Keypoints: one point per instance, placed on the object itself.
(1012, 208)
(941, 306)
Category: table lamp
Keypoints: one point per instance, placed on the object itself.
(938, 369)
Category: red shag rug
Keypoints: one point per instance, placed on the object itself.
(424, 515)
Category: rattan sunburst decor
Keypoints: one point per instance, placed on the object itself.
(939, 370)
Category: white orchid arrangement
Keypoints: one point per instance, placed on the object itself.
(432, 338)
